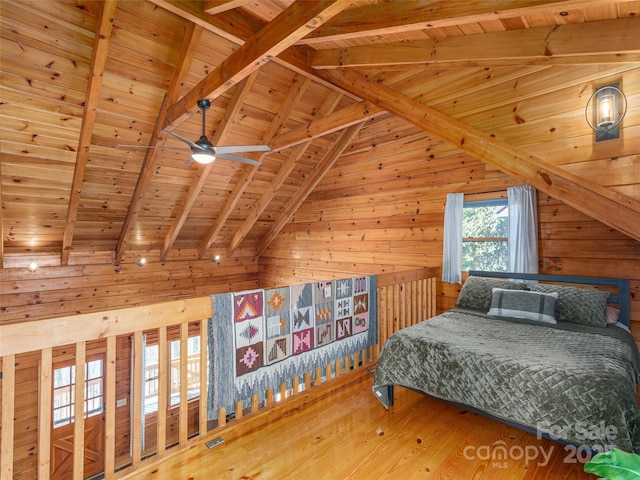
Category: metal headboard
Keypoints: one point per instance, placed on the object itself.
(622, 299)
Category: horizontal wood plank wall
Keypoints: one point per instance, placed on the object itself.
(97, 285)
(30, 355)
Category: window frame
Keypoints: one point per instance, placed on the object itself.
(68, 403)
(173, 377)
(491, 202)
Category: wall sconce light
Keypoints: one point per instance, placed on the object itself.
(605, 110)
(33, 266)
(215, 258)
(141, 261)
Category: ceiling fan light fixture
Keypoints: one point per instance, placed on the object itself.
(203, 158)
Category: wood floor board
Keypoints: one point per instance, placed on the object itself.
(349, 435)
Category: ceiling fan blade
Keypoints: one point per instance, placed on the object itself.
(237, 158)
(242, 148)
(185, 140)
(155, 146)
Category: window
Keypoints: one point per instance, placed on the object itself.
(485, 231)
(153, 367)
(64, 387)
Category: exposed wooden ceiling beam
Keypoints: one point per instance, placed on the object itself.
(98, 62)
(189, 46)
(238, 29)
(298, 87)
(332, 155)
(330, 103)
(388, 18)
(321, 126)
(294, 23)
(213, 7)
(585, 196)
(234, 106)
(607, 41)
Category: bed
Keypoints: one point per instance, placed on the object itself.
(551, 355)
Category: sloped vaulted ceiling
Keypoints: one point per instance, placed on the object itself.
(88, 86)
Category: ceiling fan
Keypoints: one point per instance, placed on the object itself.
(204, 152)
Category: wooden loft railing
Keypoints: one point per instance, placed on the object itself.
(404, 299)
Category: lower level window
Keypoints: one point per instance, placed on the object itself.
(64, 389)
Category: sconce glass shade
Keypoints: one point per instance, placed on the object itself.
(203, 158)
(606, 108)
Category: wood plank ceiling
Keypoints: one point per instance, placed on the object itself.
(82, 81)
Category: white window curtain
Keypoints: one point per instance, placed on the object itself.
(523, 229)
(452, 251)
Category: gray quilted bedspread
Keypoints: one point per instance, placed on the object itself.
(573, 382)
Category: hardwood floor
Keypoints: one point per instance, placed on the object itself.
(349, 435)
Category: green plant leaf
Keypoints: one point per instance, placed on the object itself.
(615, 465)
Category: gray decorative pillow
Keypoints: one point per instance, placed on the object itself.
(578, 305)
(536, 306)
(476, 292)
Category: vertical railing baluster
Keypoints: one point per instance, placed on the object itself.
(45, 408)
(164, 371)
(184, 384)
(8, 407)
(110, 409)
(136, 416)
(204, 355)
(78, 419)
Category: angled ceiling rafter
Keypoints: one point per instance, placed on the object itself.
(616, 41)
(94, 84)
(298, 87)
(585, 196)
(330, 158)
(235, 105)
(328, 106)
(189, 46)
(238, 29)
(293, 23)
(343, 118)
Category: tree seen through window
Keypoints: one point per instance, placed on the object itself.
(485, 231)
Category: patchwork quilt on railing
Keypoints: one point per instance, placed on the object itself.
(259, 339)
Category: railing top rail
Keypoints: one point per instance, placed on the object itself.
(394, 278)
(54, 332)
